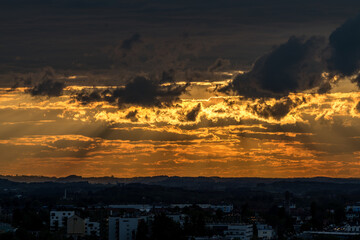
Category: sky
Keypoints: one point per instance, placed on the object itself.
(180, 88)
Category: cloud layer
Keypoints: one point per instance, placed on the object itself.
(140, 91)
(300, 64)
(292, 67)
(344, 46)
(297, 135)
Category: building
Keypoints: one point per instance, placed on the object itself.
(179, 218)
(265, 231)
(352, 228)
(123, 228)
(225, 208)
(327, 235)
(352, 216)
(208, 238)
(6, 227)
(354, 208)
(58, 219)
(233, 230)
(140, 207)
(352, 213)
(92, 228)
(75, 226)
(237, 231)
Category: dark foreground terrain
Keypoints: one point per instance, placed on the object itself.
(289, 206)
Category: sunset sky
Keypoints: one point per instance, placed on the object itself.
(246, 88)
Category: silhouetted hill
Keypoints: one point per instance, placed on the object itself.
(194, 183)
(163, 189)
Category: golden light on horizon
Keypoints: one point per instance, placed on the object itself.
(203, 134)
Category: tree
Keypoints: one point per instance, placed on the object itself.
(281, 221)
(142, 231)
(317, 216)
(195, 224)
(164, 228)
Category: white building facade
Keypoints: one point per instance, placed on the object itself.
(352, 228)
(92, 228)
(123, 228)
(265, 231)
(239, 231)
(58, 219)
(233, 230)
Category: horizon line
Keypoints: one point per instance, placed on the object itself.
(172, 176)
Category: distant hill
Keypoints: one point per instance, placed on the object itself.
(164, 189)
(192, 183)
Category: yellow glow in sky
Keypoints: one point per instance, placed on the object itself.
(203, 134)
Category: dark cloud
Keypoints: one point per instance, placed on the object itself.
(46, 84)
(219, 64)
(86, 97)
(155, 55)
(168, 76)
(48, 88)
(276, 111)
(344, 45)
(14, 87)
(357, 107)
(128, 43)
(291, 67)
(192, 114)
(143, 91)
(27, 81)
(132, 116)
(257, 28)
(23, 79)
(140, 91)
(324, 88)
